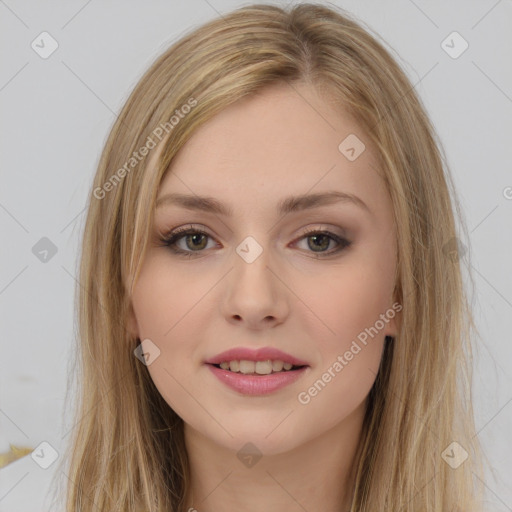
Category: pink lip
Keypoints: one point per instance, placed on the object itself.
(256, 384)
(250, 354)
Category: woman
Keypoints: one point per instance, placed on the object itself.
(271, 306)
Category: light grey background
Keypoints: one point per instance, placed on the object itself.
(56, 113)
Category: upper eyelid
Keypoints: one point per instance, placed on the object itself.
(346, 222)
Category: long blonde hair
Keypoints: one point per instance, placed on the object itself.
(127, 451)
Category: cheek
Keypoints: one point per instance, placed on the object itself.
(166, 304)
(345, 302)
(351, 301)
(164, 299)
(352, 305)
(339, 388)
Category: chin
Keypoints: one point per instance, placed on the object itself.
(265, 438)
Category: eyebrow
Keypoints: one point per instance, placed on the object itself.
(288, 205)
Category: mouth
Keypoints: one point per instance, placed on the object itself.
(257, 371)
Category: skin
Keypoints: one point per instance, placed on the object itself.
(259, 150)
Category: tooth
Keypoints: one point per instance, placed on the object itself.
(263, 367)
(260, 367)
(247, 366)
(277, 365)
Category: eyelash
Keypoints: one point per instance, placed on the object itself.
(175, 235)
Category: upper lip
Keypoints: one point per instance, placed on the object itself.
(250, 354)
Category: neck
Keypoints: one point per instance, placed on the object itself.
(321, 470)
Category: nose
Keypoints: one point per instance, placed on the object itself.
(256, 295)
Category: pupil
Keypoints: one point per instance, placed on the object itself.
(324, 237)
(193, 236)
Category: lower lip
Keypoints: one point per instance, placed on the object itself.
(257, 384)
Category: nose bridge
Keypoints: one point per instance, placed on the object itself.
(254, 292)
(252, 261)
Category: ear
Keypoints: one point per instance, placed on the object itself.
(393, 315)
(131, 323)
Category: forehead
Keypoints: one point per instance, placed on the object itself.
(283, 141)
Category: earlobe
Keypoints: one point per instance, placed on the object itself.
(391, 330)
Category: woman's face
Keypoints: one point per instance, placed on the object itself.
(264, 277)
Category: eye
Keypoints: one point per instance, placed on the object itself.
(195, 241)
(321, 239)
